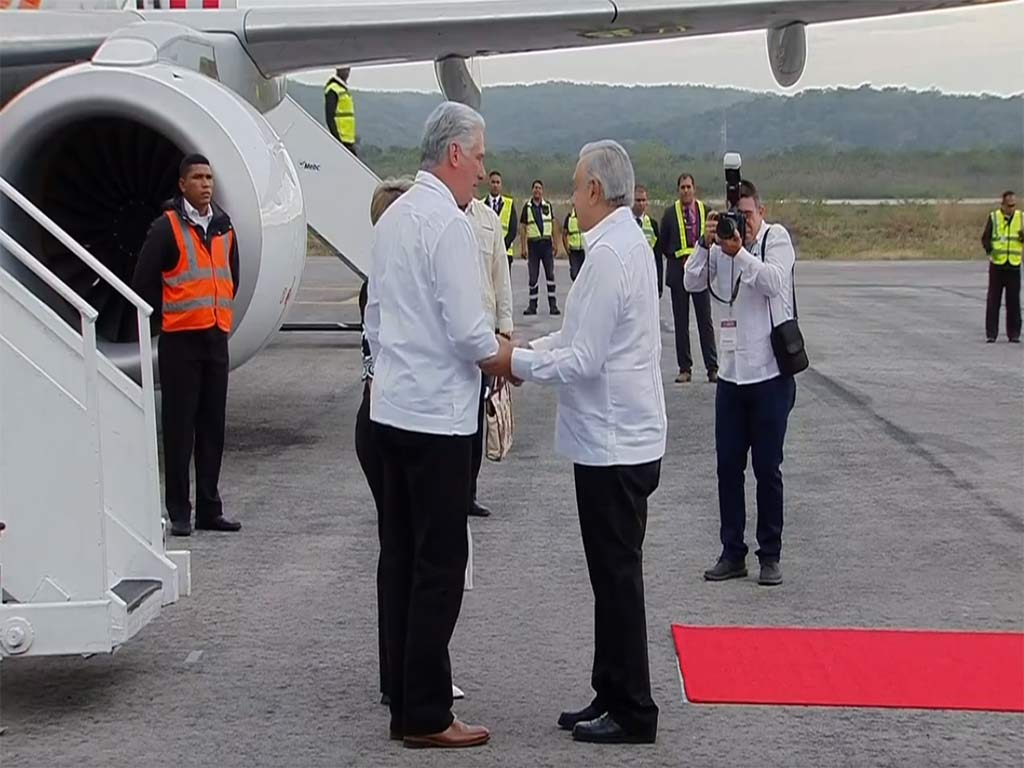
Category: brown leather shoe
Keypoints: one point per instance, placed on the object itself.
(684, 377)
(458, 734)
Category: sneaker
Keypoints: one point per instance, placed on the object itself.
(725, 570)
(771, 574)
(684, 377)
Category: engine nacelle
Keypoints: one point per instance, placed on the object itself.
(97, 148)
(787, 52)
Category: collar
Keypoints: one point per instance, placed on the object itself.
(430, 180)
(534, 202)
(603, 227)
(195, 215)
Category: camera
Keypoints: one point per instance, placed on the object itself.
(733, 220)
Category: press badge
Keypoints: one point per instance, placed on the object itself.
(727, 335)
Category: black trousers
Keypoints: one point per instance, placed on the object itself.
(999, 279)
(373, 469)
(612, 506)
(752, 417)
(576, 259)
(540, 251)
(478, 439)
(423, 552)
(193, 369)
(681, 317)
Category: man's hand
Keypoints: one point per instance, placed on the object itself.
(731, 246)
(500, 365)
(710, 229)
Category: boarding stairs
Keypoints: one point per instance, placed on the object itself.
(83, 565)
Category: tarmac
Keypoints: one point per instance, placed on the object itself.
(903, 477)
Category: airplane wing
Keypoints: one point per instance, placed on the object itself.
(285, 39)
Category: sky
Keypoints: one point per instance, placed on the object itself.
(975, 50)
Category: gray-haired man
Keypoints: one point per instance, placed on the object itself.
(609, 351)
(427, 332)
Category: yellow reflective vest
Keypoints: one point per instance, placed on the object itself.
(345, 112)
(648, 227)
(505, 216)
(686, 248)
(573, 234)
(1006, 244)
(532, 232)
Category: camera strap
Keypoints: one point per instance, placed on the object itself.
(734, 282)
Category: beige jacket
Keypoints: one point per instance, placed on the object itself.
(494, 273)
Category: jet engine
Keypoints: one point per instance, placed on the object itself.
(97, 148)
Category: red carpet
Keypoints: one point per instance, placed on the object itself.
(852, 667)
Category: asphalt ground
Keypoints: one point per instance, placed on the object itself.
(903, 510)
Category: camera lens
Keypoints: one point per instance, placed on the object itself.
(726, 228)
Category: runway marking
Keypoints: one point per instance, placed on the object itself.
(353, 300)
(194, 657)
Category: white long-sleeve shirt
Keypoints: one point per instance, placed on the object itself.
(753, 360)
(495, 280)
(424, 320)
(606, 359)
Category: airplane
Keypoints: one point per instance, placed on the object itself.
(100, 98)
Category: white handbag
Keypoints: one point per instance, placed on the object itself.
(500, 422)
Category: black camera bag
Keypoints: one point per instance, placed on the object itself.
(787, 340)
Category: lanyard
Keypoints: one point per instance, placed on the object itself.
(733, 280)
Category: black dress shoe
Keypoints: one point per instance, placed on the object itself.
(554, 310)
(181, 529)
(771, 574)
(605, 730)
(479, 510)
(385, 700)
(219, 523)
(726, 569)
(530, 310)
(567, 720)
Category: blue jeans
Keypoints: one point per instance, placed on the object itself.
(752, 417)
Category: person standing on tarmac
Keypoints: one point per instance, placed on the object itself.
(1003, 241)
(538, 238)
(572, 241)
(505, 207)
(648, 225)
(188, 271)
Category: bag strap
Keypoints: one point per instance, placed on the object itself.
(792, 279)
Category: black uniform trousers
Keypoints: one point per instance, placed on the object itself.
(424, 550)
(1003, 278)
(540, 252)
(752, 417)
(612, 506)
(681, 318)
(193, 369)
(373, 470)
(576, 259)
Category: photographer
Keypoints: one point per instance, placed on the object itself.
(751, 276)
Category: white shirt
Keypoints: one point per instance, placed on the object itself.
(760, 282)
(196, 217)
(424, 321)
(606, 359)
(494, 273)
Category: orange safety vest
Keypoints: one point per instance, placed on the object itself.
(199, 291)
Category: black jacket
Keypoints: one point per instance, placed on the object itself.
(669, 241)
(159, 253)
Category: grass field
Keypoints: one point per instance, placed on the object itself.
(864, 232)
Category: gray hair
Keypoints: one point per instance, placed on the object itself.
(449, 123)
(607, 163)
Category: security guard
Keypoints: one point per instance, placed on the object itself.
(681, 227)
(339, 109)
(537, 238)
(188, 271)
(1003, 240)
(572, 241)
(647, 224)
(505, 207)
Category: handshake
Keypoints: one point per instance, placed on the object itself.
(500, 365)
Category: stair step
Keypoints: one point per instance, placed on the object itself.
(135, 591)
